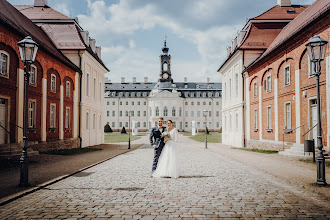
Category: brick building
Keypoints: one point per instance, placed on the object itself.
(51, 88)
(281, 90)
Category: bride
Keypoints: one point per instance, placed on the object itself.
(168, 165)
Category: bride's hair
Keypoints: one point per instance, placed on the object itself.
(170, 121)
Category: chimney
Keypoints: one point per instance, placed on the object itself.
(98, 52)
(122, 79)
(145, 79)
(208, 80)
(228, 51)
(185, 79)
(234, 44)
(134, 79)
(85, 37)
(40, 3)
(240, 37)
(92, 44)
(284, 3)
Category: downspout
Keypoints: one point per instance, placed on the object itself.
(243, 93)
(79, 107)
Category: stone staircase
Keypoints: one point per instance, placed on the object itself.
(295, 150)
(14, 151)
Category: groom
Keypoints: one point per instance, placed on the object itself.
(157, 142)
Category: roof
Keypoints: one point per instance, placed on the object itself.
(316, 10)
(11, 17)
(278, 12)
(43, 13)
(65, 35)
(263, 29)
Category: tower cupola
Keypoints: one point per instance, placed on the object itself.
(165, 65)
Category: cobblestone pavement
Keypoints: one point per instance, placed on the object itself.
(212, 186)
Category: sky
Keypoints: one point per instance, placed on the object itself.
(131, 33)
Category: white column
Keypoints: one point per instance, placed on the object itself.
(327, 60)
(75, 112)
(44, 110)
(276, 108)
(297, 101)
(61, 113)
(260, 113)
(20, 104)
(247, 109)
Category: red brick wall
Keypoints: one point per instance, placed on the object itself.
(68, 102)
(254, 101)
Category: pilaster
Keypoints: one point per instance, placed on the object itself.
(327, 60)
(20, 105)
(247, 109)
(260, 113)
(297, 101)
(61, 113)
(44, 110)
(276, 108)
(75, 113)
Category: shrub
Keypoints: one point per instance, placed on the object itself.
(123, 131)
(107, 128)
(220, 131)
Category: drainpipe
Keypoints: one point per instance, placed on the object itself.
(244, 116)
(79, 107)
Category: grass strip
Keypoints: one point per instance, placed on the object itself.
(73, 151)
(257, 150)
(327, 163)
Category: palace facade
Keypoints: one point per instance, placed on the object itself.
(182, 102)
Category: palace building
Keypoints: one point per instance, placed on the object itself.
(182, 102)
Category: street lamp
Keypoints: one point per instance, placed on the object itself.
(205, 113)
(28, 51)
(129, 126)
(316, 50)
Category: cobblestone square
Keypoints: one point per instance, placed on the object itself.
(211, 187)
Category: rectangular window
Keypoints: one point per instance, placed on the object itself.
(210, 124)
(113, 113)
(269, 117)
(145, 103)
(198, 113)
(32, 114)
(126, 114)
(120, 124)
(204, 103)
(210, 103)
(100, 91)
(108, 103)
(217, 113)
(236, 82)
(230, 122)
(132, 103)
(181, 125)
(87, 120)
(229, 88)
(4, 64)
(192, 103)
(217, 103)
(144, 124)
(198, 103)
(113, 124)
(186, 103)
(126, 124)
(255, 116)
(138, 124)
(87, 84)
(53, 83)
(186, 113)
(113, 103)
(33, 75)
(144, 113)
(192, 114)
(94, 88)
(138, 113)
(138, 103)
(108, 113)
(268, 84)
(120, 103)
(67, 88)
(287, 115)
(52, 115)
(94, 121)
(210, 113)
(186, 124)
(126, 103)
(287, 75)
(120, 113)
(132, 113)
(255, 89)
(67, 118)
(218, 124)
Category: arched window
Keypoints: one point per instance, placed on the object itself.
(165, 66)
(53, 83)
(165, 111)
(4, 63)
(87, 120)
(180, 112)
(157, 111)
(173, 111)
(33, 75)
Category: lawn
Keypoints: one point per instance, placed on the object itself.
(73, 151)
(212, 137)
(116, 137)
(327, 162)
(257, 150)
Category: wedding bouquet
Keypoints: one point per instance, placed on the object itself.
(165, 134)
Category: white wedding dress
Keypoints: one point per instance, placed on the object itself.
(168, 165)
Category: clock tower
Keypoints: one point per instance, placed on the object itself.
(165, 65)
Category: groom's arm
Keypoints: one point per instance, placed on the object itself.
(151, 137)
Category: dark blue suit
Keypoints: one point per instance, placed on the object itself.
(156, 139)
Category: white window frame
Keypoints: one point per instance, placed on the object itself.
(33, 76)
(68, 89)
(32, 113)
(311, 72)
(87, 120)
(165, 111)
(236, 82)
(157, 111)
(173, 111)
(255, 89)
(94, 82)
(94, 121)
(269, 118)
(87, 84)
(53, 82)
(52, 116)
(255, 116)
(286, 120)
(67, 118)
(7, 64)
(268, 83)
(100, 98)
(287, 81)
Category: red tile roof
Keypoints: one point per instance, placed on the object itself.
(278, 12)
(319, 8)
(12, 18)
(41, 13)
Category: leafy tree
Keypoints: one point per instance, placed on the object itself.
(107, 128)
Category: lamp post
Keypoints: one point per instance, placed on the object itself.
(316, 48)
(129, 126)
(205, 113)
(28, 51)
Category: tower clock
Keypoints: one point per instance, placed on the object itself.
(165, 65)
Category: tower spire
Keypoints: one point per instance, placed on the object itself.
(165, 48)
(165, 40)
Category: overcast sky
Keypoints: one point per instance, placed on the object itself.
(131, 33)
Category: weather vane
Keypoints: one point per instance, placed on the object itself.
(165, 37)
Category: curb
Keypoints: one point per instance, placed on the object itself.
(16, 196)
